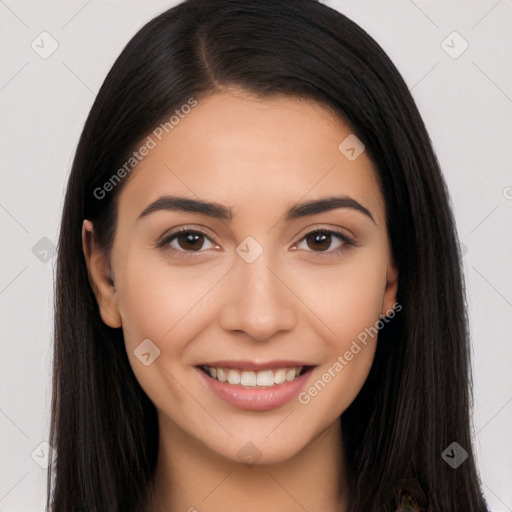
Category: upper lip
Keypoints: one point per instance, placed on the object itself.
(253, 366)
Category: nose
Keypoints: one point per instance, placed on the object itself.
(259, 302)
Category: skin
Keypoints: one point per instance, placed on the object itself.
(259, 157)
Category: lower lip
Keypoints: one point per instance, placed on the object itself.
(256, 398)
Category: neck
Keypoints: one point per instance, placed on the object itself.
(190, 477)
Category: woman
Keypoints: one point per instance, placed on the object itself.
(259, 295)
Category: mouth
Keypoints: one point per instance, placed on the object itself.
(265, 378)
(255, 387)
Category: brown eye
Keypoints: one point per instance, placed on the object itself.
(190, 240)
(186, 242)
(320, 240)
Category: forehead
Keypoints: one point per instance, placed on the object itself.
(237, 149)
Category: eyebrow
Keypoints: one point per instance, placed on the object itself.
(219, 211)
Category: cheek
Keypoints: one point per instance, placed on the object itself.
(347, 298)
(161, 302)
(349, 301)
(170, 306)
(335, 385)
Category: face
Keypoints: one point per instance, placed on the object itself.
(278, 300)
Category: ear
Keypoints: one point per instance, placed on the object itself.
(100, 277)
(389, 298)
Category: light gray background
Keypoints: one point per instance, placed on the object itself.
(466, 103)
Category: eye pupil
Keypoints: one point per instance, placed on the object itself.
(323, 238)
(191, 239)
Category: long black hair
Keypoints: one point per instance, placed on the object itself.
(417, 398)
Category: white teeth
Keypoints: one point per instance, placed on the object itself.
(248, 379)
(234, 377)
(290, 375)
(264, 378)
(279, 376)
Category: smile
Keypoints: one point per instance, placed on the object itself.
(255, 386)
(264, 378)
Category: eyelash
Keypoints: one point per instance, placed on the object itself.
(165, 242)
